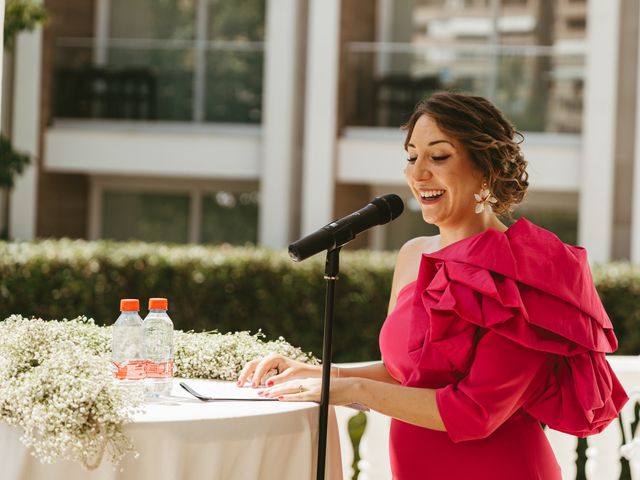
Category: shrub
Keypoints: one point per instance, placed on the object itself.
(619, 289)
(224, 288)
(230, 288)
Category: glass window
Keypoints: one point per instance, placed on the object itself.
(234, 61)
(151, 217)
(230, 217)
(161, 63)
(525, 56)
(156, 19)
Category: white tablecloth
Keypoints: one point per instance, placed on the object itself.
(184, 438)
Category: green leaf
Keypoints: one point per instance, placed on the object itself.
(20, 16)
(12, 163)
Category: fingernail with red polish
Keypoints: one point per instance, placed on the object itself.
(280, 397)
(270, 383)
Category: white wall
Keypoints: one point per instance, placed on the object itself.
(1, 52)
(321, 111)
(281, 122)
(599, 126)
(635, 206)
(118, 148)
(25, 131)
(376, 156)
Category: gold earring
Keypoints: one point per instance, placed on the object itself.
(484, 199)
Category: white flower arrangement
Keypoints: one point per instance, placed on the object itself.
(56, 383)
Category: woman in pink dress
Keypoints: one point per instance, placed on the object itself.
(491, 330)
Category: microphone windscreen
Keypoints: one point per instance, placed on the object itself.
(390, 205)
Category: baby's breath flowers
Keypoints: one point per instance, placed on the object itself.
(56, 383)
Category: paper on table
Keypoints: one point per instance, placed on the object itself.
(217, 389)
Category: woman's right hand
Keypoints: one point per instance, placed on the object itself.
(287, 369)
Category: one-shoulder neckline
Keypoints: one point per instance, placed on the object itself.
(475, 235)
(405, 287)
(479, 234)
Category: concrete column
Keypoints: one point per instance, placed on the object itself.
(200, 67)
(635, 202)
(595, 227)
(384, 34)
(323, 52)
(25, 131)
(281, 121)
(101, 28)
(1, 53)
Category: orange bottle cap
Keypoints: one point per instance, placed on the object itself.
(129, 305)
(158, 304)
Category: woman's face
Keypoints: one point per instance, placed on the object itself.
(441, 175)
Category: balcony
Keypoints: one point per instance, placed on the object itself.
(138, 105)
(157, 80)
(539, 88)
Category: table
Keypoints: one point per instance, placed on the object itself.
(184, 438)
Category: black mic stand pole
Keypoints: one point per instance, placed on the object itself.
(331, 269)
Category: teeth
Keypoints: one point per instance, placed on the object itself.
(431, 193)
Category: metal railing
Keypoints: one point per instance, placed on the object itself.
(159, 79)
(540, 88)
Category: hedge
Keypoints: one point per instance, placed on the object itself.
(231, 288)
(209, 288)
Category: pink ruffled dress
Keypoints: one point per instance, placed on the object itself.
(510, 331)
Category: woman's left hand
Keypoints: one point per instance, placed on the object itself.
(309, 390)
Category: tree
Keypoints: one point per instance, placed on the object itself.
(12, 164)
(19, 16)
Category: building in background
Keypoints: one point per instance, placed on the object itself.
(214, 121)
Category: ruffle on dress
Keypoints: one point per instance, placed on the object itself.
(528, 286)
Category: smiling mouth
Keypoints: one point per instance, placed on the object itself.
(431, 195)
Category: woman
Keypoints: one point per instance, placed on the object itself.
(491, 330)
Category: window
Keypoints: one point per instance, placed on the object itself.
(230, 217)
(160, 212)
(152, 217)
(178, 60)
(526, 59)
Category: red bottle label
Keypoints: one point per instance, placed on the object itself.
(130, 370)
(159, 369)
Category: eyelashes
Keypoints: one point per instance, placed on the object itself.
(441, 158)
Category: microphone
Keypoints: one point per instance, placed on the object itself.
(379, 211)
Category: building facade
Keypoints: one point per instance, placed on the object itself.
(211, 121)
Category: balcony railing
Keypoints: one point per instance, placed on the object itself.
(605, 453)
(540, 88)
(170, 80)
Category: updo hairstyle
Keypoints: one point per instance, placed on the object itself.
(491, 140)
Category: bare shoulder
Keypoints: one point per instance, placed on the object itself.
(417, 246)
(408, 261)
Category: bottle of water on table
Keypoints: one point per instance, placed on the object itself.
(127, 354)
(158, 349)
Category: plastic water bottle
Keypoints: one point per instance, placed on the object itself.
(127, 353)
(158, 349)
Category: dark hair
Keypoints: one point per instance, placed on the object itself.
(491, 140)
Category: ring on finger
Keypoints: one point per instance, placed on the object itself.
(300, 388)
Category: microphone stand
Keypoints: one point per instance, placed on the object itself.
(331, 270)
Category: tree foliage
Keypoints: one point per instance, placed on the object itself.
(19, 16)
(12, 163)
